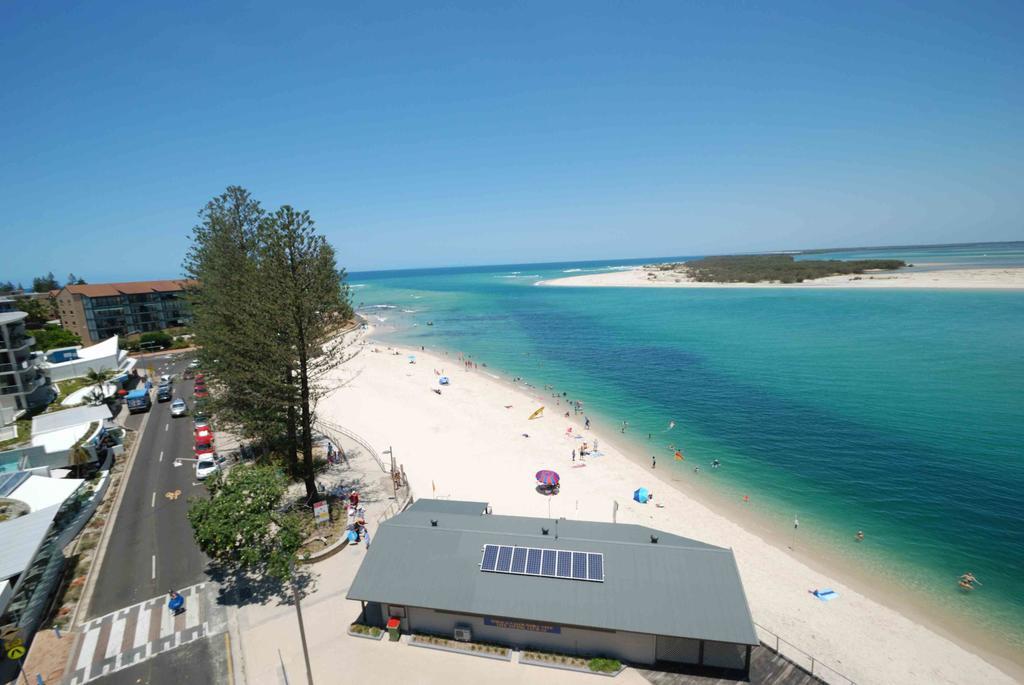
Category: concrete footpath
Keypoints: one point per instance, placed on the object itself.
(268, 632)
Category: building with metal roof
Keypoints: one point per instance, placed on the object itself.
(572, 587)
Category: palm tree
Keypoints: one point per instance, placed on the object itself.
(98, 378)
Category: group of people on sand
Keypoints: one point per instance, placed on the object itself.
(968, 581)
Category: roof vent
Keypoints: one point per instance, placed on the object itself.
(433, 523)
(654, 539)
(543, 531)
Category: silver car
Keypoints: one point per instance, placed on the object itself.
(178, 407)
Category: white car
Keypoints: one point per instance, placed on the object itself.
(178, 407)
(194, 364)
(206, 466)
(165, 379)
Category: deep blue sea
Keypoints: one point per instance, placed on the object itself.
(895, 412)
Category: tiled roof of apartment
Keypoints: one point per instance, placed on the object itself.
(131, 288)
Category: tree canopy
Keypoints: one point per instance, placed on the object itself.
(50, 337)
(242, 523)
(44, 284)
(266, 318)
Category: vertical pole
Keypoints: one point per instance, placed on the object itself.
(302, 627)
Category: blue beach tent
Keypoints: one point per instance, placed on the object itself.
(443, 380)
(641, 495)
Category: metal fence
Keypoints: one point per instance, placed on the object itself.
(328, 428)
(815, 667)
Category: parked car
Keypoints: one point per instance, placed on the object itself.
(166, 379)
(188, 373)
(194, 364)
(164, 393)
(206, 466)
(201, 393)
(178, 407)
(204, 440)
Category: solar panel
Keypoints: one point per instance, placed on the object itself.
(595, 567)
(579, 565)
(533, 558)
(490, 558)
(564, 565)
(504, 559)
(519, 560)
(547, 567)
(551, 563)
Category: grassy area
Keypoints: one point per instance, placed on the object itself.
(69, 386)
(24, 427)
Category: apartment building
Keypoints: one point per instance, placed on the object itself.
(98, 311)
(23, 384)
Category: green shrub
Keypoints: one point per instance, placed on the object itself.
(161, 339)
(604, 665)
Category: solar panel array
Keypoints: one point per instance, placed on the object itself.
(548, 563)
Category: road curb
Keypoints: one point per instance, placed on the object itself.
(101, 549)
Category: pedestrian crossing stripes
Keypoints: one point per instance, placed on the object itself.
(134, 634)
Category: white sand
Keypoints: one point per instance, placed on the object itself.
(954, 279)
(471, 447)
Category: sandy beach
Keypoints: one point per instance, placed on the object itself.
(953, 279)
(469, 443)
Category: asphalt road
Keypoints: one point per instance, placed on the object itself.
(191, 663)
(151, 549)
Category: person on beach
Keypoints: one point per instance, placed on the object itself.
(654, 462)
(586, 422)
(715, 464)
(574, 455)
(859, 537)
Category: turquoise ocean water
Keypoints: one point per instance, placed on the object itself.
(896, 412)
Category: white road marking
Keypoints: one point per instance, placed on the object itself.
(152, 502)
(154, 567)
(166, 427)
(161, 455)
(116, 637)
(88, 647)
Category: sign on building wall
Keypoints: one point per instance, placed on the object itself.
(521, 625)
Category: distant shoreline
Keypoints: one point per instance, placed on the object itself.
(1004, 278)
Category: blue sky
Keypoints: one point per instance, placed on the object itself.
(422, 134)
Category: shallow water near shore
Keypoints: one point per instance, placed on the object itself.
(899, 413)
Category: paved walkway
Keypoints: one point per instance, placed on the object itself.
(268, 629)
(137, 633)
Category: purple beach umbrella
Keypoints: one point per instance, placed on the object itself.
(546, 477)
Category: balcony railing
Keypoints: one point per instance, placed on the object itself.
(19, 342)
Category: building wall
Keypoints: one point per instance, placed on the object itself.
(72, 315)
(632, 647)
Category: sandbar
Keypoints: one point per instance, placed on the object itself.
(953, 279)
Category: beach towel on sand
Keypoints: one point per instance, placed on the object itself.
(826, 595)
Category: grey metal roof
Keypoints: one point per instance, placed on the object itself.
(66, 418)
(676, 587)
(21, 537)
(11, 317)
(448, 506)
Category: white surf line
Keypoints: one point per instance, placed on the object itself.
(161, 455)
(152, 502)
(154, 567)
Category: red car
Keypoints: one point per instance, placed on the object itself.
(201, 392)
(204, 441)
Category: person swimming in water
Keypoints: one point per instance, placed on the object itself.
(859, 537)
